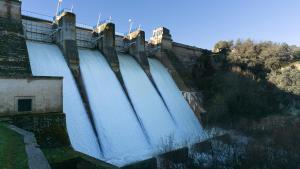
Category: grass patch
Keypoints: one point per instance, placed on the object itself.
(12, 149)
(58, 155)
(64, 157)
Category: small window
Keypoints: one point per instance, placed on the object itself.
(24, 105)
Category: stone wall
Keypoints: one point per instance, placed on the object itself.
(10, 9)
(187, 55)
(49, 128)
(45, 92)
(14, 58)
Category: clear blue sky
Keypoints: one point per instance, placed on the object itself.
(195, 22)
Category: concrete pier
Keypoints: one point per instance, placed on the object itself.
(65, 37)
(161, 37)
(106, 44)
(105, 34)
(167, 52)
(136, 48)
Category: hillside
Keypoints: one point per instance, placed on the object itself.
(247, 79)
(252, 88)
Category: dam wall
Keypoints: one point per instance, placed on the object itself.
(187, 55)
(122, 96)
(178, 58)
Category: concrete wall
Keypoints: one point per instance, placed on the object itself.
(187, 53)
(10, 9)
(119, 43)
(46, 94)
(84, 38)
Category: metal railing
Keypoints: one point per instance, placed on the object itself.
(43, 31)
(37, 15)
(84, 26)
(38, 31)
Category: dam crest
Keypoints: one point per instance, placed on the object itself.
(123, 98)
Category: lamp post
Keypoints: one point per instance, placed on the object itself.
(99, 17)
(58, 6)
(130, 26)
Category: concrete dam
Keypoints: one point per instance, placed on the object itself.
(122, 97)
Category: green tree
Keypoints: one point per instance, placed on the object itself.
(223, 46)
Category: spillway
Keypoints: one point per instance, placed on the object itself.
(122, 138)
(47, 60)
(185, 118)
(126, 134)
(148, 104)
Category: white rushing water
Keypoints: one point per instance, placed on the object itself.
(127, 134)
(120, 134)
(47, 60)
(149, 106)
(184, 116)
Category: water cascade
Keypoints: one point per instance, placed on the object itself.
(149, 106)
(185, 118)
(122, 137)
(48, 60)
(127, 134)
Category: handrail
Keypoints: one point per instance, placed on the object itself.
(85, 26)
(103, 22)
(37, 15)
(120, 34)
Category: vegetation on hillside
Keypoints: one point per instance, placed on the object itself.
(253, 88)
(249, 80)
